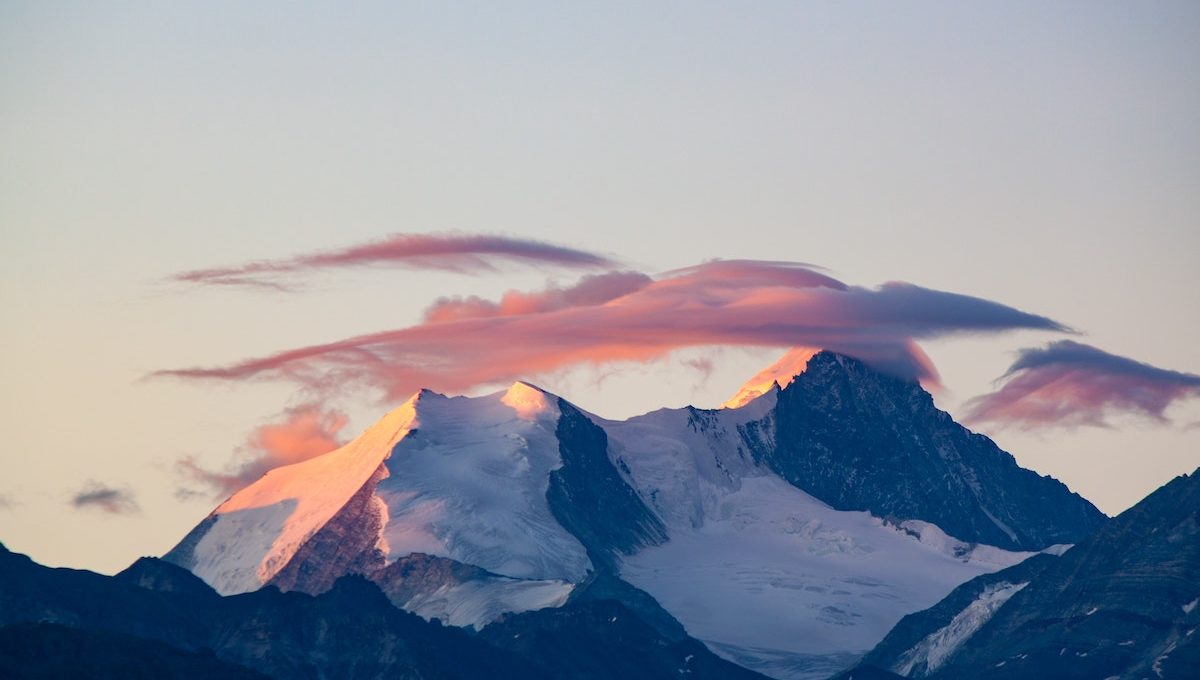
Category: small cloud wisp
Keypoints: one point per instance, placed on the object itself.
(1070, 384)
(464, 253)
(305, 431)
(105, 498)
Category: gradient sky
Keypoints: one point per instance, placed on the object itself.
(1041, 155)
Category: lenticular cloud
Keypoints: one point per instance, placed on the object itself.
(619, 317)
(448, 252)
(1068, 384)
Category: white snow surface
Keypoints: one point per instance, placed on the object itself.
(470, 484)
(479, 602)
(930, 653)
(766, 574)
(258, 529)
(978, 553)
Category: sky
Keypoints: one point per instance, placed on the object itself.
(1039, 157)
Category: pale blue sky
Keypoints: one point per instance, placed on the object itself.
(1044, 155)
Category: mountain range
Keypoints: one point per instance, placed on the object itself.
(838, 522)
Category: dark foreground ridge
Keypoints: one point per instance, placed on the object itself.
(160, 614)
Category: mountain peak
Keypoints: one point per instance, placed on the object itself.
(529, 401)
(860, 438)
(778, 375)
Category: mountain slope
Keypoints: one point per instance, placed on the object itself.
(1122, 604)
(860, 440)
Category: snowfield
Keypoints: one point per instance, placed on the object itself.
(783, 584)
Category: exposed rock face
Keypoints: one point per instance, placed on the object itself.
(1121, 604)
(347, 544)
(603, 585)
(860, 440)
(418, 574)
(461, 594)
(589, 497)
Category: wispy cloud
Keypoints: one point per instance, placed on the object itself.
(465, 343)
(449, 252)
(594, 289)
(303, 432)
(97, 496)
(1069, 384)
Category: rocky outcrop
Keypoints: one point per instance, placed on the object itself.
(347, 544)
(589, 497)
(860, 440)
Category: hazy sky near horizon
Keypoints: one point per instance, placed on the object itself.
(1042, 155)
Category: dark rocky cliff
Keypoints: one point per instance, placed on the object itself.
(861, 440)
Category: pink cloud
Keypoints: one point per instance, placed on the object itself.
(1068, 384)
(466, 343)
(449, 252)
(305, 432)
(594, 289)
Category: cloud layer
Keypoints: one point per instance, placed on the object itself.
(1068, 384)
(463, 343)
(449, 252)
(108, 499)
(304, 432)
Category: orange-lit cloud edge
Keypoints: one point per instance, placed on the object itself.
(616, 317)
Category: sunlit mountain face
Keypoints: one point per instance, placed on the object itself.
(788, 531)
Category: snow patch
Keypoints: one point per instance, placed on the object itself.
(528, 401)
(933, 651)
(479, 602)
(1058, 549)
(932, 536)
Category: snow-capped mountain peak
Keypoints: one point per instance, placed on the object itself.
(810, 509)
(529, 401)
(250, 537)
(772, 378)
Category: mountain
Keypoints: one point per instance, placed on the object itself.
(1120, 604)
(788, 534)
(859, 440)
(158, 620)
